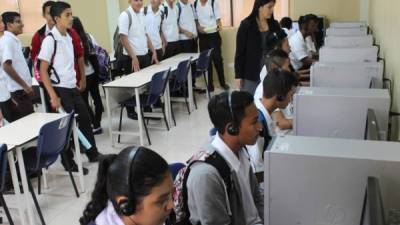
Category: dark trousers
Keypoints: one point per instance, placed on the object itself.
(190, 46)
(9, 110)
(208, 41)
(126, 61)
(71, 99)
(23, 103)
(92, 88)
(172, 49)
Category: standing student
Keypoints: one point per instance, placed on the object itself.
(300, 56)
(15, 68)
(255, 38)
(134, 39)
(278, 90)
(91, 70)
(187, 26)
(36, 43)
(154, 17)
(133, 187)
(208, 22)
(170, 28)
(231, 195)
(65, 94)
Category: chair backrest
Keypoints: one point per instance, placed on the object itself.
(204, 60)
(53, 139)
(157, 86)
(182, 72)
(174, 169)
(3, 165)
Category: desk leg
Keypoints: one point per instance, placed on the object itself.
(78, 156)
(24, 180)
(168, 106)
(17, 190)
(190, 89)
(109, 119)
(207, 81)
(42, 98)
(139, 113)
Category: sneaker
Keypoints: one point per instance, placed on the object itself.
(225, 87)
(97, 130)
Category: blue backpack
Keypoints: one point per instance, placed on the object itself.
(100, 61)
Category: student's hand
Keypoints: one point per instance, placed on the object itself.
(28, 90)
(201, 29)
(55, 103)
(219, 25)
(164, 46)
(240, 83)
(189, 34)
(154, 58)
(135, 64)
(82, 86)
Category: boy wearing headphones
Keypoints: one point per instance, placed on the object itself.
(233, 198)
(278, 89)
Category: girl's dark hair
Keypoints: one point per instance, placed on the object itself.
(272, 23)
(149, 171)
(78, 27)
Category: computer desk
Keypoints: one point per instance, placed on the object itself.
(121, 89)
(17, 134)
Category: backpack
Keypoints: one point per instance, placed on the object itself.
(51, 68)
(164, 12)
(100, 61)
(181, 214)
(212, 5)
(117, 44)
(265, 132)
(180, 9)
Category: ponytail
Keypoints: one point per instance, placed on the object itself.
(99, 195)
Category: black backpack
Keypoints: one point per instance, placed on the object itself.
(265, 132)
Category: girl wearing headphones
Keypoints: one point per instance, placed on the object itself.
(132, 188)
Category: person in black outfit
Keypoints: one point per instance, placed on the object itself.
(258, 29)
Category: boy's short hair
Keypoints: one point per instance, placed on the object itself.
(58, 8)
(278, 82)
(47, 4)
(275, 59)
(286, 22)
(9, 17)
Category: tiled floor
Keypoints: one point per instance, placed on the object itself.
(59, 203)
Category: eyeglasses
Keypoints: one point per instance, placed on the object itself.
(18, 21)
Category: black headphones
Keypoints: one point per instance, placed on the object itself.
(127, 206)
(233, 128)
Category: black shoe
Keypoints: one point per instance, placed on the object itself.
(225, 87)
(94, 158)
(75, 169)
(211, 88)
(97, 130)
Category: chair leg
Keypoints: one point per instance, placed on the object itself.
(120, 123)
(72, 178)
(36, 202)
(194, 101)
(3, 203)
(185, 97)
(39, 184)
(172, 113)
(145, 127)
(208, 90)
(165, 118)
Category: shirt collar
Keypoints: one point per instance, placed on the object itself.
(9, 34)
(47, 31)
(108, 216)
(226, 152)
(57, 35)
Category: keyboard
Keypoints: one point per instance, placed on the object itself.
(394, 217)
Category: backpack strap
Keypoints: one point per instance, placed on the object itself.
(265, 132)
(178, 4)
(51, 68)
(130, 18)
(145, 10)
(166, 11)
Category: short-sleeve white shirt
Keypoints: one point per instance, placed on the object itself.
(153, 26)
(207, 18)
(187, 20)
(170, 24)
(299, 50)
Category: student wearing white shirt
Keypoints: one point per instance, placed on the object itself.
(300, 56)
(15, 68)
(63, 90)
(287, 26)
(187, 26)
(208, 22)
(170, 28)
(134, 39)
(278, 90)
(210, 200)
(153, 17)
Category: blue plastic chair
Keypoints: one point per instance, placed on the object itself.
(3, 167)
(181, 78)
(202, 66)
(174, 169)
(158, 84)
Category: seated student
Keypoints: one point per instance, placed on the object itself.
(310, 40)
(300, 57)
(64, 94)
(134, 39)
(235, 199)
(287, 25)
(15, 68)
(154, 16)
(133, 187)
(278, 89)
(37, 40)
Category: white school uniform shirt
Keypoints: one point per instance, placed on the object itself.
(206, 17)
(288, 32)
(310, 45)
(63, 60)
(4, 93)
(299, 50)
(258, 94)
(170, 24)
(136, 33)
(187, 20)
(89, 70)
(11, 49)
(153, 26)
(241, 166)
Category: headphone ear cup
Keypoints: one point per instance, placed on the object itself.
(125, 208)
(280, 98)
(233, 130)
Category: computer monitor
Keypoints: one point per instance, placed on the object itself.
(372, 128)
(295, 26)
(373, 210)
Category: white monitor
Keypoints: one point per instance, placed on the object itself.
(349, 41)
(347, 75)
(348, 55)
(321, 181)
(295, 26)
(359, 31)
(338, 112)
(348, 24)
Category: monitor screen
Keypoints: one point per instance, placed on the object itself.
(373, 213)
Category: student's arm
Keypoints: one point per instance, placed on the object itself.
(123, 25)
(281, 121)
(163, 40)
(186, 32)
(10, 71)
(82, 81)
(152, 49)
(307, 62)
(240, 55)
(200, 29)
(217, 15)
(206, 193)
